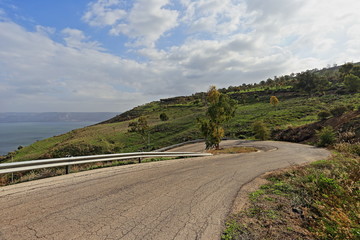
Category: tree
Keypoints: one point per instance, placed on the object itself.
(220, 109)
(310, 82)
(260, 130)
(356, 70)
(164, 117)
(352, 82)
(345, 69)
(274, 101)
(140, 126)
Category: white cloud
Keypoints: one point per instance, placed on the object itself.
(38, 74)
(45, 30)
(144, 23)
(215, 16)
(104, 13)
(77, 39)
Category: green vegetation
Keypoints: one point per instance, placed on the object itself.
(164, 117)
(352, 83)
(326, 136)
(318, 201)
(221, 109)
(323, 115)
(338, 110)
(141, 127)
(261, 131)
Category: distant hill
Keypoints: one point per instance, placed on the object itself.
(11, 117)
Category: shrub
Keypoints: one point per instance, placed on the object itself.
(164, 117)
(274, 101)
(338, 111)
(260, 130)
(324, 115)
(352, 83)
(326, 136)
(350, 107)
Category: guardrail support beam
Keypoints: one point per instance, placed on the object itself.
(67, 169)
(139, 160)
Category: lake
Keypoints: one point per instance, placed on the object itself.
(13, 135)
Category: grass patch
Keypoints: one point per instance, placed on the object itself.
(317, 201)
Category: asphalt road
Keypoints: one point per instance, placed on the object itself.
(177, 199)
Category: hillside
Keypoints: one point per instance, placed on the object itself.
(298, 106)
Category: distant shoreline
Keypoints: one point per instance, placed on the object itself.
(13, 117)
(13, 135)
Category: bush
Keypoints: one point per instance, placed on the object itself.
(164, 117)
(352, 83)
(338, 111)
(326, 136)
(260, 130)
(324, 115)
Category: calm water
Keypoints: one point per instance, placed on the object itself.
(13, 135)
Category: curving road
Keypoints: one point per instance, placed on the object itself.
(178, 199)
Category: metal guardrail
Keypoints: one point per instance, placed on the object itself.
(68, 161)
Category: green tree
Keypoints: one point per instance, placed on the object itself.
(164, 117)
(274, 101)
(345, 69)
(260, 130)
(310, 82)
(356, 70)
(352, 82)
(140, 126)
(220, 109)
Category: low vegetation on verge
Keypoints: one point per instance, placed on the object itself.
(317, 201)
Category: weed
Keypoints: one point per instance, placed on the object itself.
(232, 230)
(255, 195)
(326, 136)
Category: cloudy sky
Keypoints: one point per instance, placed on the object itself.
(112, 55)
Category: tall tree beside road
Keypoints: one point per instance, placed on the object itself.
(220, 110)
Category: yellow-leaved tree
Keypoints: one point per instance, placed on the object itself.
(274, 101)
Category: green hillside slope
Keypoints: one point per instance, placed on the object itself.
(297, 107)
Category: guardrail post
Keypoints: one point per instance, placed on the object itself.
(139, 160)
(67, 169)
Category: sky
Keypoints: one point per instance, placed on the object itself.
(113, 55)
